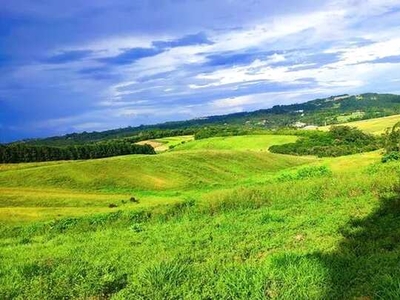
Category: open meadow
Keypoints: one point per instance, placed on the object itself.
(199, 150)
(219, 218)
(374, 126)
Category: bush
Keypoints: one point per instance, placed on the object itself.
(305, 172)
(391, 156)
(134, 200)
(340, 140)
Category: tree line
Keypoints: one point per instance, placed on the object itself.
(340, 140)
(158, 134)
(316, 112)
(17, 153)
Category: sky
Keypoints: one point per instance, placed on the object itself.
(73, 66)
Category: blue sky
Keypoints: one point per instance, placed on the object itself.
(68, 66)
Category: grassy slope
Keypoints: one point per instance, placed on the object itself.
(45, 190)
(140, 173)
(163, 144)
(375, 126)
(326, 237)
(292, 234)
(243, 143)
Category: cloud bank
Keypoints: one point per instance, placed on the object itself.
(105, 64)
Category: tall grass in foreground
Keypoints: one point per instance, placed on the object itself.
(307, 235)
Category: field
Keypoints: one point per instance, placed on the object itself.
(241, 143)
(220, 218)
(374, 126)
(51, 190)
(348, 117)
(163, 144)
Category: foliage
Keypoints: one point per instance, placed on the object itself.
(316, 112)
(391, 156)
(220, 131)
(392, 143)
(129, 134)
(340, 140)
(221, 221)
(305, 172)
(392, 138)
(16, 153)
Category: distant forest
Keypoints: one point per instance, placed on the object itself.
(326, 111)
(17, 153)
(280, 119)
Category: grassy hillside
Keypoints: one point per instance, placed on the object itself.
(375, 126)
(163, 172)
(211, 223)
(324, 237)
(164, 144)
(242, 143)
(81, 187)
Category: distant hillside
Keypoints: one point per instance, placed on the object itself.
(319, 112)
(375, 126)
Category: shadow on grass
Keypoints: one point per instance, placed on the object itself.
(366, 264)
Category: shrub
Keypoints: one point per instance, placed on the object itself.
(340, 140)
(391, 156)
(134, 200)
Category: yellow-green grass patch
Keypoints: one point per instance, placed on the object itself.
(374, 126)
(30, 204)
(241, 143)
(166, 171)
(164, 144)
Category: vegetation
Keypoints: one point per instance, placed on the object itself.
(164, 144)
(243, 143)
(340, 140)
(375, 126)
(215, 131)
(129, 134)
(215, 218)
(392, 143)
(317, 234)
(46, 190)
(319, 112)
(16, 153)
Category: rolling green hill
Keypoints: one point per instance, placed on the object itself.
(94, 184)
(243, 143)
(375, 126)
(219, 218)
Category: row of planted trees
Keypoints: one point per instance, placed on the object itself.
(16, 153)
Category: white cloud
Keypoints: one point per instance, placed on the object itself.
(337, 28)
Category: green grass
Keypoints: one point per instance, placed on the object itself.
(33, 191)
(348, 117)
(164, 144)
(242, 143)
(375, 126)
(142, 173)
(210, 224)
